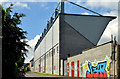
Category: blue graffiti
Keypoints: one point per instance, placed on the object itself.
(97, 69)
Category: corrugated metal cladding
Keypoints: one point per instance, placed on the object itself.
(69, 35)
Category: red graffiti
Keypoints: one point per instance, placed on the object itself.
(78, 68)
(96, 75)
(89, 75)
(72, 69)
(54, 67)
(68, 69)
(101, 75)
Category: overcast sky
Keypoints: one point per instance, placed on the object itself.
(38, 12)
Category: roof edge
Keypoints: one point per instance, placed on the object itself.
(113, 17)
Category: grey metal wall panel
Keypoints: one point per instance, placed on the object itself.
(72, 42)
(89, 26)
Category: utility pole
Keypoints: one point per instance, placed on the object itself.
(113, 53)
(114, 45)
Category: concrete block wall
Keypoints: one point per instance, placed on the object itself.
(36, 67)
(79, 65)
(31, 68)
(56, 60)
(49, 62)
(42, 61)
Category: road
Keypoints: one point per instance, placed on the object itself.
(31, 74)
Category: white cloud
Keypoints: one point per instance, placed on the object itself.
(102, 0)
(112, 28)
(85, 13)
(21, 4)
(7, 5)
(33, 42)
(29, 0)
(44, 5)
(110, 4)
(59, 0)
(1, 1)
(16, 4)
(30, 52)
(30, 55)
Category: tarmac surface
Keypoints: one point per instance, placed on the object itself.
(31, 75)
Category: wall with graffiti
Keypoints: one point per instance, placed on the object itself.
(97, 68)
(89, 69)
(93, 62)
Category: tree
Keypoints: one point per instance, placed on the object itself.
(12, 46)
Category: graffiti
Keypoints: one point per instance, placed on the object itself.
(54, 68)
(81, 69)
(72, 68)
(75, 69)
(68, 69)
(97, 69)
